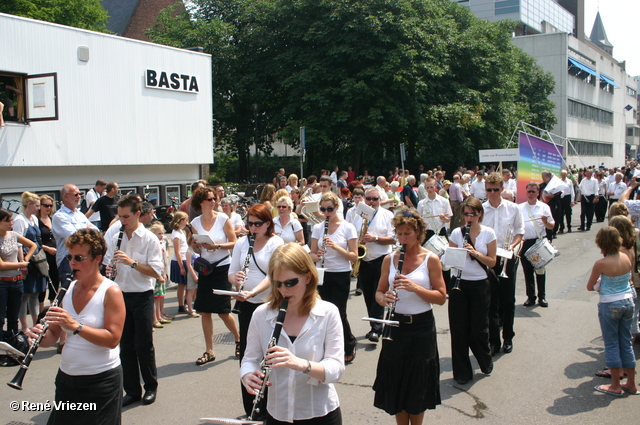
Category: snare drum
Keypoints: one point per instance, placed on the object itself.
(437, 244)
(541, 253)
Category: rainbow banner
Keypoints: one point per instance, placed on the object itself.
(536, 155)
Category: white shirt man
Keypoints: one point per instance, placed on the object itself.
(422, 192)
(91, 197)
(616, 188)
(477, 187)
(434, 205)
(509, 183)
(381, 184)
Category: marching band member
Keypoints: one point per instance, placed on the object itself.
(505, 219)
(589, 190)
(378, 241)
(340, 250)
(261, 226)
(286, 225)
(408, 372)
(567, 202)
(308, 357)
(434, 205)
(469, 306)
(537, 217)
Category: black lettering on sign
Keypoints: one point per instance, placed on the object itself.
(171, 81)
(194, 84)
(175, 81)
(185, 79)
(151, 78)
(164, 82)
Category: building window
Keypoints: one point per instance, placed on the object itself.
(29, 97)
(631, 92)
(588, 112)
(581, 74)
(584, 148)
(604, 86)
(507, 6)
(630, 132)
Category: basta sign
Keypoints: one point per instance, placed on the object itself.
(174, 81)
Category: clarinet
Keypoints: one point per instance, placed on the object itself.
(326, 230)
(114, 272)
(389, 311)
(467, 239)
(245, 269)
(16, 382)
(264, 367)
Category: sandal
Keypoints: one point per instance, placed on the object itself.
(238, 349)
(607, 374)
(206, 358)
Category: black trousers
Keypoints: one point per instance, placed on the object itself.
(136, 345)
(555, 204)
(469, 325)
(331, 418)
(336, 291)
(503, 304)
(368, 280)
(530, 276)
(565, 212)
(601, 209)
(244, 319)
(586, 211)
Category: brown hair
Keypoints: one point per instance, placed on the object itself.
(200, 195)
(608, 240)
(409, 217)
(177, 218)
(262, 213)
(494, 178)
(475, 204)
(291, 256)
(618, 208)
(626, 229)
(88, 237)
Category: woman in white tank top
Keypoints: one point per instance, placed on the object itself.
(92, 314)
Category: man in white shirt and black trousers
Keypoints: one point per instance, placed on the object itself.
(505, 218)
(589, 190)
(138, 264)
(378, 241)
(537, 217)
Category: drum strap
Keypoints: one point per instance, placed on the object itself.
(533, 223)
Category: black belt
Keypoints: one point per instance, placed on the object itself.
(412, 319)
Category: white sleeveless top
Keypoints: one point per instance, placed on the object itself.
(217, 234)
(410, 302)
(81, 357)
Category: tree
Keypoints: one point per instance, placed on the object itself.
(363, 76)
(87, 14)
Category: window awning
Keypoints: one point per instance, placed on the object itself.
(584, 67)
(609, 80)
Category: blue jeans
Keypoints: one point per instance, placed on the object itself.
(615, 322)
(10, 300)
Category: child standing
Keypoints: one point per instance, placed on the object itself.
(160, 319)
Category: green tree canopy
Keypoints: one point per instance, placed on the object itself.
(87, 14)
(363, 76)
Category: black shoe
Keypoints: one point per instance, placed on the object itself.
(529, 302)
(149, 397)
(182, 310)
(358, 291)
(569, 230)
(495, 349)
(127, 400)
(581, 228)
(560, 232)
(489, 369)
(543, 303)
(462, 381)
(507, 347)
(374, 336)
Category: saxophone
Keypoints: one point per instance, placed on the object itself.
(362, 249)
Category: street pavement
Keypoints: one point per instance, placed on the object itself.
(547, 379)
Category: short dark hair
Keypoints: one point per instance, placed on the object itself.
(326, 178)
(100, 182)
(111, 185)
(130, 201)
(146, 208)
(88, 237)
(200, 195)
(609, 240)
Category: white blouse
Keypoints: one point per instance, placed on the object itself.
(294, 395)
(472, 270)
(288, 233)
(217, 234)
(333, 261)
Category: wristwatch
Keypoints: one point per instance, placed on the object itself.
(308, 369)
(134, 264)
(78, 329)
(377, 239)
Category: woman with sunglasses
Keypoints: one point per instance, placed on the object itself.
(11, 270)
(308, 357)
(261, 228)
(469, 306)
(92, 313)
(218, 227)
(340, 249)
(408, 374)
(287, 226)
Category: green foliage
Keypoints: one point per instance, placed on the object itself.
(362, 76)
(86, 14)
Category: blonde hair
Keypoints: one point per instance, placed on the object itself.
(53, 205)
(177, 218)
(155, 227)
(409, 217)
(28, 197)
(330, 196)
(279, 194)
(291, 256)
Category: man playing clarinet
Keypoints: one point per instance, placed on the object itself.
(505, 219)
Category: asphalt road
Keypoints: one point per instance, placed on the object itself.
(547, 379)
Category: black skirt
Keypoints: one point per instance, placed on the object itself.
(206, 300)
(408, 372)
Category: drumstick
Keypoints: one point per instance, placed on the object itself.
(537, 218)
(431, 216)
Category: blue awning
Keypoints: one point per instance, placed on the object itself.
(609, 80)
(584, 67)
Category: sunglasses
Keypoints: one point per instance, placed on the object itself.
(288, 283)
(369, 198)
(46, 205)
(470, 214)
(329, 209)
(283, 206)
(255, 223)
(493, 189)
(532, 191)
(77, 258)
(211, 199)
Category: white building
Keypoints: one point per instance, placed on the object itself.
(96, 106)
(592, 88)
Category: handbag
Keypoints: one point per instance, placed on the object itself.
(39, 262)
(205, 268)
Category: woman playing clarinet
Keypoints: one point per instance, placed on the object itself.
(469, 306)
(407, 378)
(308, 356)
